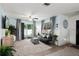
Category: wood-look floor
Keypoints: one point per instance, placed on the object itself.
(27, 48)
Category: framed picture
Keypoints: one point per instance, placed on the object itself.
(47, 25)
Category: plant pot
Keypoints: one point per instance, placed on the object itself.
(7, 41)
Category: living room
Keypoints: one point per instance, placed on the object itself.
(37, 28)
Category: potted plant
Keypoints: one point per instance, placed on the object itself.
(12, 29)
(9, 36)
(7, 33)
(6, 51)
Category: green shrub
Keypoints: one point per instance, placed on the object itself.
(12, 29)
(7, 33)
(6, 51)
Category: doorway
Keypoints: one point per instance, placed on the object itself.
(77, 32)
(22, 30)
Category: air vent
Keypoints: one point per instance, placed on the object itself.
(46, 4)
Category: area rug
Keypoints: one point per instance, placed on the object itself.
(27, 48)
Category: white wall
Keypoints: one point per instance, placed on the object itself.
(11, 21)
(70, 33)
(1, 30)
(63, 34)
(72, 27)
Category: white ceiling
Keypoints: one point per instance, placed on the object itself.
(38, 9)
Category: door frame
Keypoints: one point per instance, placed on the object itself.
(76, 32)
